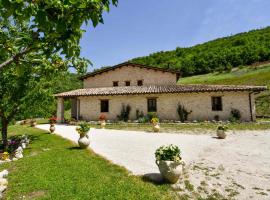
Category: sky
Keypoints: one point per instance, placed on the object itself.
(139, 27)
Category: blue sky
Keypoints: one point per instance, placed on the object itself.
(140, 27)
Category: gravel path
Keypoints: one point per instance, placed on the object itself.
(237, 166)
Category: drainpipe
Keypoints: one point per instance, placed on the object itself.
(250, 106)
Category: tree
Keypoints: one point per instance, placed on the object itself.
(38, 40)
(55, 26)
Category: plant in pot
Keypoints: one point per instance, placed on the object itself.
(221, 131)
(169, 162)
(102, 120)
(33, 122)
(52, 121)
(155, 123)
(83, 129)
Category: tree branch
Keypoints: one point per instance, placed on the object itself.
(15, 58)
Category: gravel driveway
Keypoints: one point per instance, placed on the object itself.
(238, 164)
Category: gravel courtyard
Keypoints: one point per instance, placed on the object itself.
(237, 167)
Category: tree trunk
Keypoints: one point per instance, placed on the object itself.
(4, 132)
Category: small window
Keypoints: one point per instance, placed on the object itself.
(104, 106)
(152, 105)
(216, 104)
(127, 83)
(115, 83)
(139, 82)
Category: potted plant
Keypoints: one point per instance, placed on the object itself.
(221, 131)
(52, 121)
(102, 121)
(155, 123)
(169, 162)
(33, 122)
(83, 129)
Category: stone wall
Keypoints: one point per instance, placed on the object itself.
(132, 74)
(198, 103)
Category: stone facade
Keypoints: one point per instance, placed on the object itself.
(199, 103)
(132, 74)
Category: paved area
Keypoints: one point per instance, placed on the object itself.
(237, 166)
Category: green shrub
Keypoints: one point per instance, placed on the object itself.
(124, 115)
(168, 153)
(182, 112)
(222, 127)
(83, 128)
(235, 115)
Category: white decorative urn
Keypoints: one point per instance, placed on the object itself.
(170, 170)
(84, 141)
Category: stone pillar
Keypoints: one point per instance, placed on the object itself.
(60, 110)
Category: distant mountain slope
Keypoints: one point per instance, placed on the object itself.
(259, 75)
(217, 55)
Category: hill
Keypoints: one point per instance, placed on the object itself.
(218, 55)
(250, 75)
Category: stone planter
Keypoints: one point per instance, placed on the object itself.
(170, 170)
(83, 141)
(156, 127)
(52, 128)
(221, 134)
(102, 124)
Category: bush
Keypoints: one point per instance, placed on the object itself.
(139, 114)
(235, 115)
(168, 153)
(124, 115)
(183, 113)
(83, 128)
(222, 127)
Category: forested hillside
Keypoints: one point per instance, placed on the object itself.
(218, 55)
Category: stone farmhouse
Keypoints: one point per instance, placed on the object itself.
(150, 89)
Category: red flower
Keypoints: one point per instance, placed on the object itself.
(52, 120)
(102, 117)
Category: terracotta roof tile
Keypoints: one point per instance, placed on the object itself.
(132, 90)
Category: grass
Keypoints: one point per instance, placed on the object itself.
(240, 76)
(178, 127)
(54, 168)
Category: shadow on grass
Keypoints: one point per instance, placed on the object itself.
(154, 178)
(74, 148)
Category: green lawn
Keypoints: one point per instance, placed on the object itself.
(242, 76)
(54, 168)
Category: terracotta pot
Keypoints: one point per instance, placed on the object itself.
(52, 128)
(221, 134)
(102, 124)
(156, 127)
(83, 141)
(170, 170)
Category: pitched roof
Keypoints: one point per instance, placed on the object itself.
(132, 90)
(127, 64)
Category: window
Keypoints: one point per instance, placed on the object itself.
(127, 83)
(139, 82)
(104, 106)
(115, 83)
(216, 104)
(152, 105)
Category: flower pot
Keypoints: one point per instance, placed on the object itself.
(103, 124)
(170, 170)
(156, 127)
(52, 128)
(221, 134)
(83, 141)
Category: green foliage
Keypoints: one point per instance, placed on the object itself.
(83, 128)
(182, 112)
(124, 115)
(168, 153)
(235, 115)
(222, 127)
(220, 55)
(155, 120)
